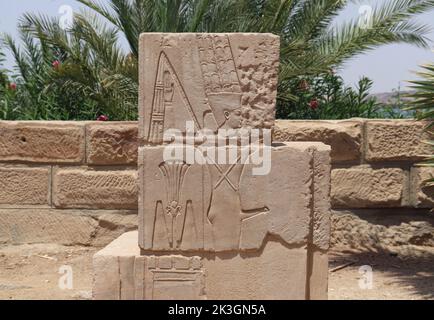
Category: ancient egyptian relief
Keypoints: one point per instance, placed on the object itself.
(221, 82)
(216, 207)
(174, 277)
(166, 83)
(200, 78)
(214, 80)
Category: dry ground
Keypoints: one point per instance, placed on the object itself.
(32, 272)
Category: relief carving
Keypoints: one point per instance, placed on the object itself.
(223, 212)
(215, 81)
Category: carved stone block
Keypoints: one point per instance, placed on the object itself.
(121, 273)
(223, 212)
(215, 208)
(276, 271)
(214, 80)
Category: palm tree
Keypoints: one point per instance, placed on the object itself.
(311, 43)
(423, 103)
(90, 64)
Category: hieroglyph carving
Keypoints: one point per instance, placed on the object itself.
(215, 80)
(209, 80)
(221, 207)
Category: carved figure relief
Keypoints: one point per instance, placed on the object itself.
(222, 86)
(166, 85)
(204, 82)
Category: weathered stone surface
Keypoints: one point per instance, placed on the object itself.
(126, 278)
(87, 188)
(362, 187)
(422, 193)
(321, 197)
(67, 227)
(289, 209)
(277, 273)
(42, 142)
(213, 80)
(21, 186)
(380, 230)
(318, 276)
(106, 277)
(232, 211)
(244, 206)
(112, 224)
(112, 144)
(122, 274)
(345, 137)
(22, 226)
(114, 220)
(396, 140)
(165, 281)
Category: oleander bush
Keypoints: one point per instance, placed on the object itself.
(83, 72)
(327, 97)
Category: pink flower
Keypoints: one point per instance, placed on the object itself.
(103, 118)
(13, 86)
(56, 64)
(314, 104)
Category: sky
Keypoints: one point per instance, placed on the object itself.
(389, 66)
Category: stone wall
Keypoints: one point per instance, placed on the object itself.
(75, 182)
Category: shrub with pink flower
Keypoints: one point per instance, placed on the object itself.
(314, 104)
(56, 64)
(103, 118)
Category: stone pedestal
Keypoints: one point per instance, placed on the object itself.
(281, 252)
(276, 272)
(224, 213)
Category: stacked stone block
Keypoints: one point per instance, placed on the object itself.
(36, 157)
(208, 228)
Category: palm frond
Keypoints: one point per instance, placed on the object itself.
(390, 23)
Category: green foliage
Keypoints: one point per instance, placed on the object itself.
(92, 75)
(311, 43)
(95, 76)
(30, 93)
(326, 97)
(3, 75)
(424, 106)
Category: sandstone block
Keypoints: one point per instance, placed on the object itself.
(213, 186)
(378, 230)
(318, 276)
(42, 142)
(21, 186)
(364, 187)
(212, 80)
(422, 193)
(26, 226)
(321, 197)
(396, 140)
(112, 224)
(87, 188)
(106, 281)
(112, 143)
(227, 207)
(144, 277)
(276, 273)
(344, 137)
